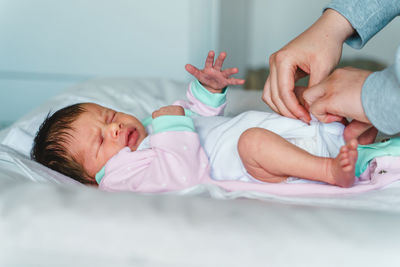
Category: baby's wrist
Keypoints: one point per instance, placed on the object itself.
(204, 95)
(167, 123)
(211, 89)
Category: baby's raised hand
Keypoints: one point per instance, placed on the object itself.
(211, 77)
(168, 110)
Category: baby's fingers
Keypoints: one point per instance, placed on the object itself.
(220, 61)
(234, 81)
(229, 72)
(209, 60)
(193, 70)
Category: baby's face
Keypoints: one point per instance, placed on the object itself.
(100, 133)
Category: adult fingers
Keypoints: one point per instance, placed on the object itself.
(320, 109)
(266, 96)
(313, 93)
(273, 88)
(286, 75)
(298, 91)
(315, 100)
(220, 60)
(276, 94)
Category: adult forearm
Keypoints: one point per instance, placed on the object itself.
(334, 24)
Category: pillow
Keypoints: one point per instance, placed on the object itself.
(15, 165)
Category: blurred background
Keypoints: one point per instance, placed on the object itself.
(46, 46)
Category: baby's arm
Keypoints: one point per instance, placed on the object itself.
(207, 95)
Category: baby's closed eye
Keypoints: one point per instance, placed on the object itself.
(110, 116)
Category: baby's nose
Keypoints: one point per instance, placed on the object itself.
(115, 129)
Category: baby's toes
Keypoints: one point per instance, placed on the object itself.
(348, 168)
(352, 145)
(344, 161)
(343, 155)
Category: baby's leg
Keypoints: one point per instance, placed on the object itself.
(270, 158)
(365, 133)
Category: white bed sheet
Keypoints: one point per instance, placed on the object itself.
(60, 222)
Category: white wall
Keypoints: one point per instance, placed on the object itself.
(48, 45)
(275, 23)
(139, 38)
(234, 33)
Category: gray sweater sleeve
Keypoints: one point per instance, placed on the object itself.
(380, 98)
(381, 90)
(366, 16)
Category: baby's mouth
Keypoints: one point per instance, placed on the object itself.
(132, 138)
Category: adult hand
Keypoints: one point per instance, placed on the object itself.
(315, 52)
(338, 96)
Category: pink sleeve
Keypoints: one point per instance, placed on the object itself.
(176, 161)
(199, 107)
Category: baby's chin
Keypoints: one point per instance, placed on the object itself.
(138, 143)
(134, 137)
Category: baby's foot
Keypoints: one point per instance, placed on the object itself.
(343, 165)
(365, 133)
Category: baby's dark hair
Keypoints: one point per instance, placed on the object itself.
(50, 144)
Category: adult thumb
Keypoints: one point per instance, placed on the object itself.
(312, 94)
(320, 110)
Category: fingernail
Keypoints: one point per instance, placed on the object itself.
(304, 120)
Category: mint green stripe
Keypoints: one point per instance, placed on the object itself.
(189, 113)
(100, 174)
(211, 99)
(368, 152)
(168, 123)
(147, 121)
